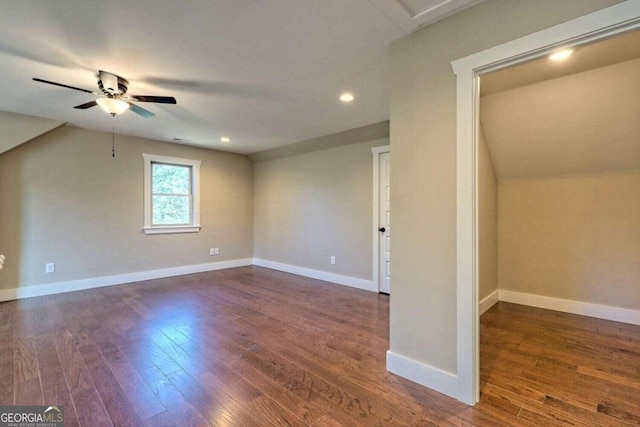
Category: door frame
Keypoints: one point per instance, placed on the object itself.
(377, 151)
(599, 25)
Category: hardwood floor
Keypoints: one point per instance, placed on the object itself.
(255, 347)
(573, 369)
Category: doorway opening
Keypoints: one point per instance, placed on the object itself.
(559, 229)
(617, 19)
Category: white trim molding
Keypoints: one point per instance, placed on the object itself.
(425, 375)
(339, 279)
(376, 151)
(119, 279)
(595, 26)
(412, 18)
(605, 312)
(488, 302)
(172, 229)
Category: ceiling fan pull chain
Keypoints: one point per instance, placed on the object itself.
(113, 141)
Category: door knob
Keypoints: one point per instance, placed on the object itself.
(382, 229)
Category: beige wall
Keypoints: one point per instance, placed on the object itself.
(423, 135)
(64, 199)
(580, 124)
(572, 238)
(312, 206)
(488, 218)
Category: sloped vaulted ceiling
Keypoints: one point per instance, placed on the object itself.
(18, 129)
(579, 124)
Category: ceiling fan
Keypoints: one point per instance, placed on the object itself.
(113, 97)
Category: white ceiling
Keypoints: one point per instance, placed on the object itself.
(263, 73)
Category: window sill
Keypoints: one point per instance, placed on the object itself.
(172, 229)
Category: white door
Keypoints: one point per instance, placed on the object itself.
(384, 226)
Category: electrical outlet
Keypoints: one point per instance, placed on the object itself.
(333, 260)
(217, 251)
(50, 267)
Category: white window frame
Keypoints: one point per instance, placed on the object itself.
(194, 226)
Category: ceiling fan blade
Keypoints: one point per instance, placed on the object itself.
(61, 85)
(156, 99)
(141, 111)
(87, 105)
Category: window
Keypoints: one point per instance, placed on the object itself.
(171, 195)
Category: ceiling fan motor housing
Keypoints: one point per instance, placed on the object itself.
(112, 85)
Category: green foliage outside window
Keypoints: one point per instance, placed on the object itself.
(171, 190)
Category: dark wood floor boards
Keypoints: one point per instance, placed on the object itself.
(147, 404)
(558, 367)
(256, 347)
(177, 405)
(7, 373)
(54, 384)
(88, 405)
(230, 349)
(26, 372)
(163, 419)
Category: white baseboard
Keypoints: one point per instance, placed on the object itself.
(353, 282)
(606, 312)
(425, 375)
(119, 279)
(489, 301)
(98, 282)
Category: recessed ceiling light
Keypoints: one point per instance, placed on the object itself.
(561, 55)
(347, 97)
(225, 139)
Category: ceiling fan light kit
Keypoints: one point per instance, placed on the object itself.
(113, 106)
(113, 97)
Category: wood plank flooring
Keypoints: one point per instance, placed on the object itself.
(255, 347)
(558, 368)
